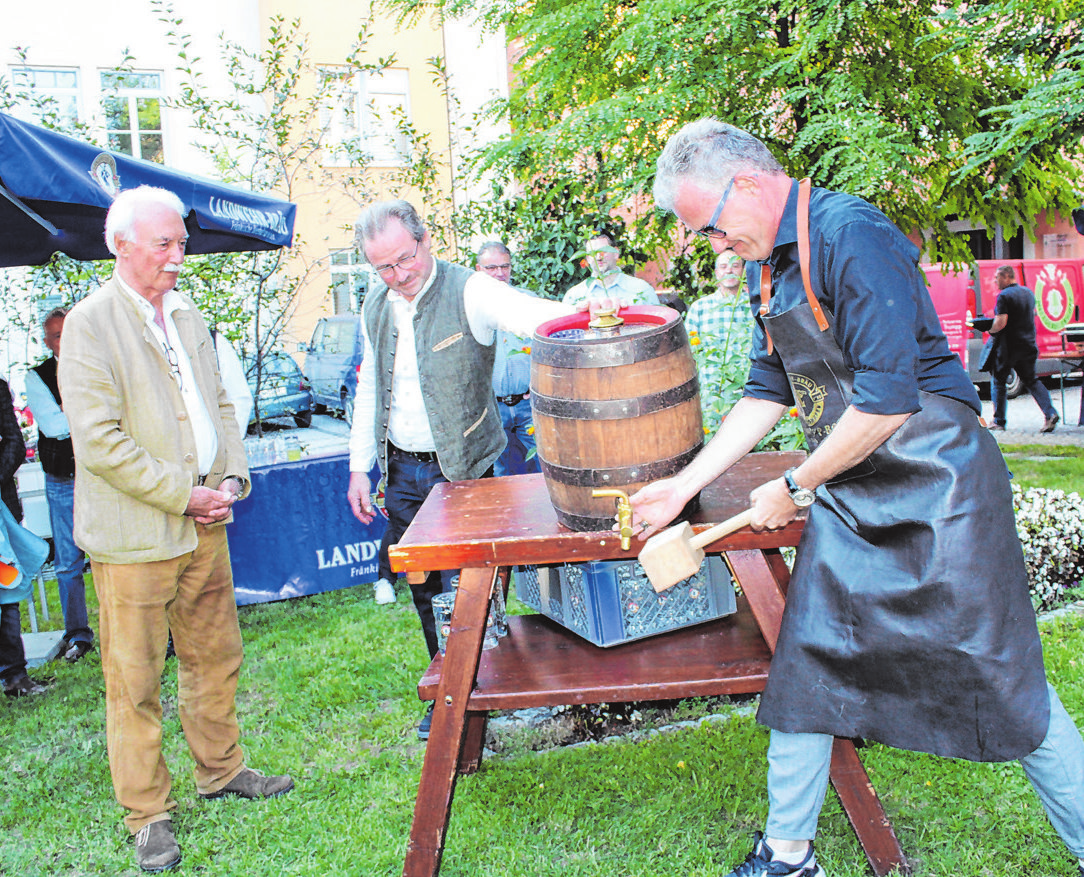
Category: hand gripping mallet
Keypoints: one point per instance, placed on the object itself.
(673, 555)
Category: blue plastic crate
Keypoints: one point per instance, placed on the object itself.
(613, 602)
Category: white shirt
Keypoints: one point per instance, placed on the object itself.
(50, 417)
(490, 305)
(203, 427)
(235, 382)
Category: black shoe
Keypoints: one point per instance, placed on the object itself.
(77, 651)
(156, 847)
(425, 724)
(996, 427)
(761, 863)
(23, 686)
(1050, 423)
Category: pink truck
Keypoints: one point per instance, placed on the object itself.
(1058, 285)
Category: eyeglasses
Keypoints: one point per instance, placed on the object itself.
(709, 230)
(403, 263)
(174, 366)
(504, 266)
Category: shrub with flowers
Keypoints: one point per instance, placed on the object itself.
(1050, 524)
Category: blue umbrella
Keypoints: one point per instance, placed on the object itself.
(55, 191)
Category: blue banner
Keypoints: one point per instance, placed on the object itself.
(55, 191)
(295, 534)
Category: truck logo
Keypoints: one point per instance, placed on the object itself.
(809, 397)
(1054, 297)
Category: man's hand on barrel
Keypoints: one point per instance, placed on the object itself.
(655, 506)
(360, 497)
(594, 305)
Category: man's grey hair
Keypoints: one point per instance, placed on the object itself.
(121, 218)
(1006, 271)
(375, 218)
(709, 153)
(55, 314)
(499, 246)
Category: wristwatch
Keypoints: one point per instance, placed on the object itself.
(802, 497)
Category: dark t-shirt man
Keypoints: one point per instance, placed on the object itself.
(1014, 327)
(1018, 304)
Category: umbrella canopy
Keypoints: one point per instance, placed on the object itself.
(55, 191)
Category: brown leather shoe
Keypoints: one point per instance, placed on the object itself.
(156, 848)
(23, 686)
(252, 784)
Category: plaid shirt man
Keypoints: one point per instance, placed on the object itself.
(720, 326)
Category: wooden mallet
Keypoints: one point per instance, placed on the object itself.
(672, 555)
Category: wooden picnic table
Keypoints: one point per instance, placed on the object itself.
(484, 528)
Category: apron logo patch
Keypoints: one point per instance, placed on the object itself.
(809, 397)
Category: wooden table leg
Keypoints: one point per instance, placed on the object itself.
(474, 740)
(764, 582)
(864, 811)
(446, 738)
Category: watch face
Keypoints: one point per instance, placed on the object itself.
(803, 497)
(800, 496)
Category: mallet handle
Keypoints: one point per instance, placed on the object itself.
(720, 530)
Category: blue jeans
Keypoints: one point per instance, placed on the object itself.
(68, 559)
(798, 777)
(513, 459)
(1025, 370)
(409, 481)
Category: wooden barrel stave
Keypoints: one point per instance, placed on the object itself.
(619, 414)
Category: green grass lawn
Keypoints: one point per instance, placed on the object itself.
(1051, 466)
(328, 694)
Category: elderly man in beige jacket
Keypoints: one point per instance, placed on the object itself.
(159, 463)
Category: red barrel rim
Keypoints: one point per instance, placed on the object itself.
(658, 315)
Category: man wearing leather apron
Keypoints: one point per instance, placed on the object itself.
(886, 634)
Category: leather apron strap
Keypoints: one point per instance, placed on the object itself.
(804, 189)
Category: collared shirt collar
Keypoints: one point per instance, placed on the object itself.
(787, 233)
(612, 279)
(171, 301)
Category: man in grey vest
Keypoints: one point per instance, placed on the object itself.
(424, 406)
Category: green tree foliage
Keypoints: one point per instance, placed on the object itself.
(1045, 122)
(877, 99)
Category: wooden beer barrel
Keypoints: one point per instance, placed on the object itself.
(613, 408)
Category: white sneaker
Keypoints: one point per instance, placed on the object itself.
(383, 592)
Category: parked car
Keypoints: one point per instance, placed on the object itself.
(332, 360)
(284, 390)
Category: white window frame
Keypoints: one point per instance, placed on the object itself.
(361, 112)
(351, 278)
(131, 94)
(43, 82)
